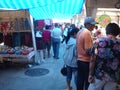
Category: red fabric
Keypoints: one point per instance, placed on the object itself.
(46, 34)
(40, 24)
(8, 40)
(27, 39)
(40, 44)
(4, 25)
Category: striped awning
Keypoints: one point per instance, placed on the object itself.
(45, 9)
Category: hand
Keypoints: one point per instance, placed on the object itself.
(90, 79)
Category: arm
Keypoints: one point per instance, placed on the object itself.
(91, 69)
(88, 42)
(93, 54)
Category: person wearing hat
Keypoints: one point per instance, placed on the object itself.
(83, 44)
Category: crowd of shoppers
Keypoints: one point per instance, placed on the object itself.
(96, 62)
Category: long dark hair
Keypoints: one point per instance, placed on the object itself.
(71, 33)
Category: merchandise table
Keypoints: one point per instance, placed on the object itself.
(17, 58)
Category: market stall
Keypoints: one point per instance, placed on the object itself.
(38, 10)
(16, 37)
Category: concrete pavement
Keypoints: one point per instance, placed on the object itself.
(13, 77)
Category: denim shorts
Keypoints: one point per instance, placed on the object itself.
(71, 71)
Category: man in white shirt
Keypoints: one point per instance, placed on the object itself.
(56, 34)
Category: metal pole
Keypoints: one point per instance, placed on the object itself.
(33, 36)
(33, 33)
(38, 56)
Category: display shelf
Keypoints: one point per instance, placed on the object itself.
(17, 58)
(12, 31)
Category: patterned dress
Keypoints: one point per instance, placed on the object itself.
(107, 67)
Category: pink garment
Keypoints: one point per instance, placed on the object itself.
(46, 34)
(40, 24)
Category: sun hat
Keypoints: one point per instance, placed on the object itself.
(90, 20)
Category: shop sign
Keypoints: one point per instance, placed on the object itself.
(103, 20)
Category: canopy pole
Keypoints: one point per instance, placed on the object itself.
(37, 55)
(33, 33)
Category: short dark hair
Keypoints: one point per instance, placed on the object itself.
(47, 27)
(72, 26)
(56, 24)
(113, 29)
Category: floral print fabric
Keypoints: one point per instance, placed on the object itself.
(107, 65)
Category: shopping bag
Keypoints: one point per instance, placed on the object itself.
(64, 70)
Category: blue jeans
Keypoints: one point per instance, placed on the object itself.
(70, 71)
(82, 77)
(56, 46)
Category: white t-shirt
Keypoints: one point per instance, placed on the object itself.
(65, 32)
(56, 33)
(38, 34)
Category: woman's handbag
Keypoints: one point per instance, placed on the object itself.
(64, 70)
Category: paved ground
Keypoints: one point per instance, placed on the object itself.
(13, 77)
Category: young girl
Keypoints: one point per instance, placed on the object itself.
(71, 63)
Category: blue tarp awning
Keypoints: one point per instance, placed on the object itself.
(45, 9)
